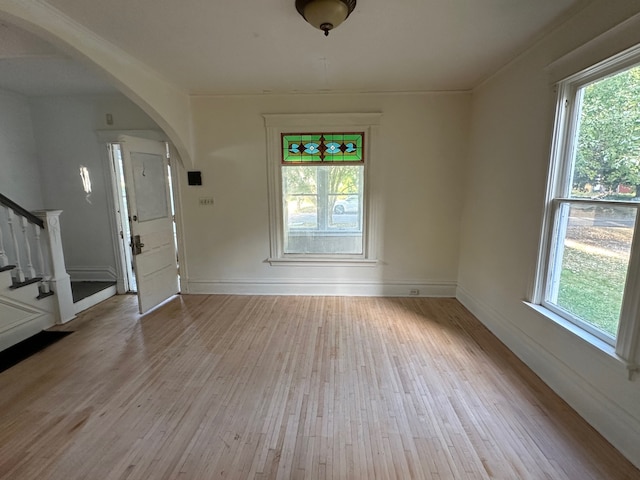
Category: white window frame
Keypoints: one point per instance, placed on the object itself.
(276, 125)
(625, 347)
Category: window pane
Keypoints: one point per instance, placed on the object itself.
(607, 152)
(322, 208)
(301, 212)
(589, 267)
(346, 212)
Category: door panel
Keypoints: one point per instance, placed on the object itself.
(150, 181)
(146, 177)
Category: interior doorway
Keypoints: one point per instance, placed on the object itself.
(123, 222)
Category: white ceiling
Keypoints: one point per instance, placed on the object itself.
(229, 47)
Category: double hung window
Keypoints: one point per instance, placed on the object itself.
(590, 256)
(322, 192)
(320, 209)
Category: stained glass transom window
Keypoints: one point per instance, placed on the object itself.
(322, 148)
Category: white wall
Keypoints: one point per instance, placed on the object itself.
(415, 183)
(19, 174)
(65, 130)
(512, 121)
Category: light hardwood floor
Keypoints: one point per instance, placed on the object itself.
(289, 387)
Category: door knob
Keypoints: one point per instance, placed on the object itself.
(137, 245)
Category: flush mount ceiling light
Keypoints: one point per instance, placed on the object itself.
(325, 14)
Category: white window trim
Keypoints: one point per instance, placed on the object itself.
(626, 347)
(277, 124)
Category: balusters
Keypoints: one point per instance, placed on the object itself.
(18, 252)
(18, 273)
(30, 272)
(21, 274)
(4, 260)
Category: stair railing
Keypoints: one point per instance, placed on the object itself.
(20, 221)
(27, 233)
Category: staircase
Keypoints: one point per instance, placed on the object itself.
(23, 311)
(35, 289)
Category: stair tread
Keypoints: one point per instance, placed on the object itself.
(25, 283)
(7, 267)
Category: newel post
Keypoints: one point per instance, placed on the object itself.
(60, 280)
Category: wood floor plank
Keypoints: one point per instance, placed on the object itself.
(289, 387)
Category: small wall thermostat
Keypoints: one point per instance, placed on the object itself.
(194, 178)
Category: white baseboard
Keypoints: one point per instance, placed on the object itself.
(602, 412)
(92, 273)
(323, 288)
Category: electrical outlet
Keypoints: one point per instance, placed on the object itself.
(205, 201)
(414, 291)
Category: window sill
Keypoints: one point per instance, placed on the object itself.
(602, 346)
(322, 262)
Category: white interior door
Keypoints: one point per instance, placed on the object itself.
(154, 255)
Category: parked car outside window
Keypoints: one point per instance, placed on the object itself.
(351, 204)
